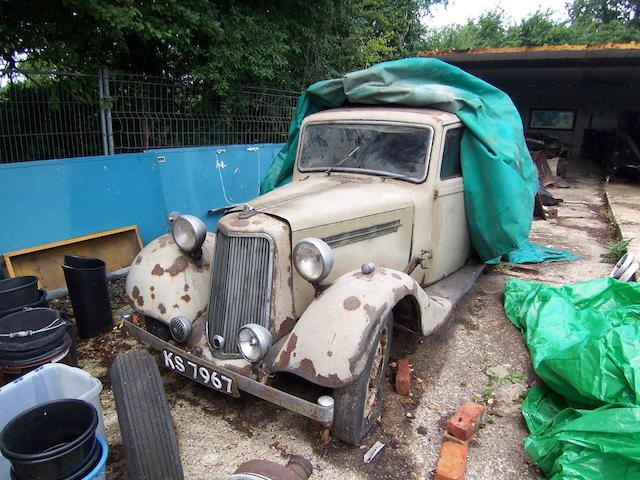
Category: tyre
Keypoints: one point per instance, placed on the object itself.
(148, 436)
(358, 405)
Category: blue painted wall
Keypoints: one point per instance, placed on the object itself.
(52, 200)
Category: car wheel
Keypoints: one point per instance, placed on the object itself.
(358, 405)
(148, 436)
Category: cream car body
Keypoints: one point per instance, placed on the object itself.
(413, 230)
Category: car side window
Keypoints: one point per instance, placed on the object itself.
(451, 155)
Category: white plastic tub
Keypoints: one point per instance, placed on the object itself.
(53, 381)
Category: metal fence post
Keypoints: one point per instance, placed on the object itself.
(108, 121)
(103, 123)
(107, 110)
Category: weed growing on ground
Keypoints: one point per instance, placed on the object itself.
(515, 377)
(501, 268)
(615, 250)
(487, 395)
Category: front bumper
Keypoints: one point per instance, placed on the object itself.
(319, 413)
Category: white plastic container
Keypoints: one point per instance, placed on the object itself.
(53, 381)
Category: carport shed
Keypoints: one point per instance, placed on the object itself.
(597, 83)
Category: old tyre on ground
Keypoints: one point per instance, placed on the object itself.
(148, 436)
(358, 405)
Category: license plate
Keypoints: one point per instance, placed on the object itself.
(199, 373)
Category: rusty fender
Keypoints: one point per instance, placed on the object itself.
(163, 281)
(330, 342)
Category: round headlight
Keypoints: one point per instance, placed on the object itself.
(313, 259)
(188, 232)
(253, 342)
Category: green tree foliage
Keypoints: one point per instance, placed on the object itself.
(286, 44)
(589, 22)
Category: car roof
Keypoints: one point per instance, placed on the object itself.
(388, 113)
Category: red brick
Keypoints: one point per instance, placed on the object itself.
(403, 378)
(464, 422)
(453, 457)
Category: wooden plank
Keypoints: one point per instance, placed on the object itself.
(116, 247)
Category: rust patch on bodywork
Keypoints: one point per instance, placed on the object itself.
(152, 288)
(164, 241)
(307, 370)
(176, 306)
(135, 293)
(286, 353)
(186, 298)
(162, 309)
(351, 303)
(153, 296)
(401, 292)
(179, 265)
(374, 313)
(246, 371)
(240, 223)
(157, 270)
(285, 327)
(186, 287)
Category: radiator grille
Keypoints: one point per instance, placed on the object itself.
(240, 286)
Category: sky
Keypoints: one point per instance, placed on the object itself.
(458, 11)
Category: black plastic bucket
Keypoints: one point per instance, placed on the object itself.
(89, 293)
(31, 338)
(41, 302)
(18, 292)
(52, 441)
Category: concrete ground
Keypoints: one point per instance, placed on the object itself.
(623, 198)
(479, 355)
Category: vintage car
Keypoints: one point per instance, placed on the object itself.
(311, 278)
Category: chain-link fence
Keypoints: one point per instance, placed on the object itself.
(47, 115)
(152, 112)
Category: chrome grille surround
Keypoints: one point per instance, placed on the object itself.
(240, 287)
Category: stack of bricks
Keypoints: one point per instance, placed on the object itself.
(460, 428)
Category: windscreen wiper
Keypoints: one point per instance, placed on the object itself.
(328, 171)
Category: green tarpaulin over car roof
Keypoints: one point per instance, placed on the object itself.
(500, 179)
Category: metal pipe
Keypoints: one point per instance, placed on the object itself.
(103, 127)
(107, 97)
(61, 292)
(298, 468)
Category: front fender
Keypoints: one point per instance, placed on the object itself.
(164, 282)
(329, 344)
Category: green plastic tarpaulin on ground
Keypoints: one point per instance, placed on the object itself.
(500, 179)
(584, 340)
(534, 253)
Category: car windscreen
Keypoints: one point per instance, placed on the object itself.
(375, 147)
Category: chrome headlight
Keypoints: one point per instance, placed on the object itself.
(188, 232)
(253, 342)
(313, 259)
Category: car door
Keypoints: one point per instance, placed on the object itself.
(450, 241)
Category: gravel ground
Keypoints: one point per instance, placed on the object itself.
(479, 355)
